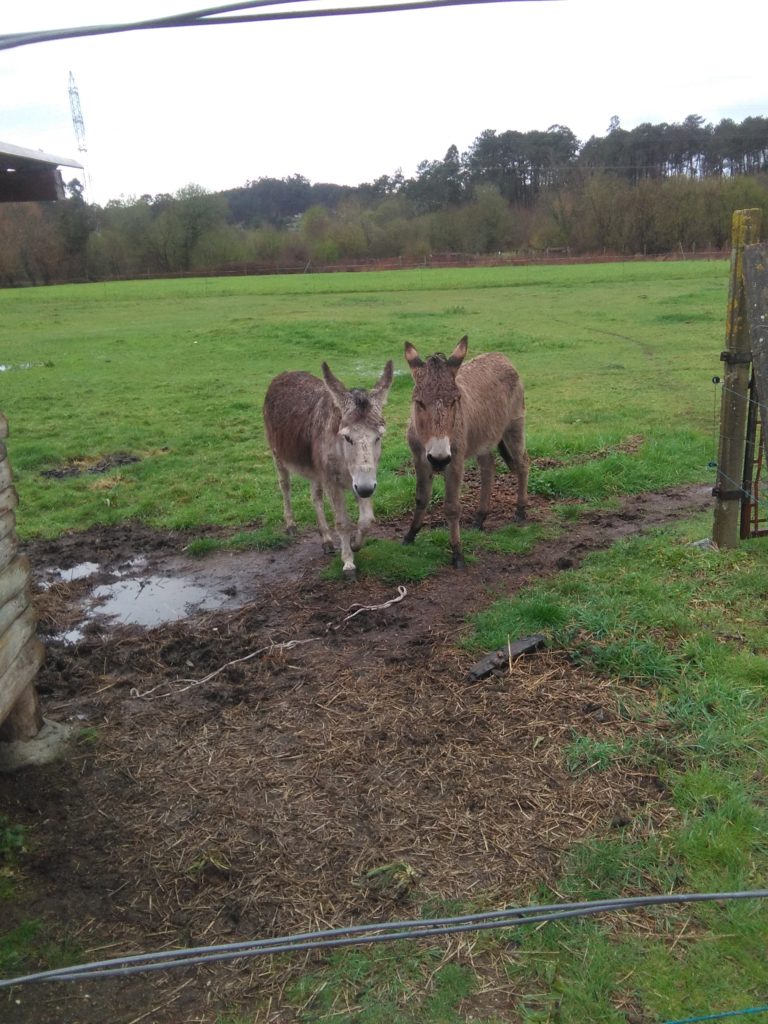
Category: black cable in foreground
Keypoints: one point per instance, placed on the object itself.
(221, 16)
(356, 935)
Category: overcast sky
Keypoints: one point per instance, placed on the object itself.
(348, 99)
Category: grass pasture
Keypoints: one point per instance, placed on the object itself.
(174, 373)
(618, 362)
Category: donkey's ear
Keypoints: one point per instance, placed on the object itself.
(412, 356)
(381, 388)
(334, 385)
(456, 357)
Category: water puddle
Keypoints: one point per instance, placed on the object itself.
(153, 600)
(78, 572)
(129, 594)
(21, 366)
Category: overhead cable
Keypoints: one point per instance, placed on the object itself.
(223, 16)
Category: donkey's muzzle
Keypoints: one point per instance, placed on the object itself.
(364, 490)
(438, 463)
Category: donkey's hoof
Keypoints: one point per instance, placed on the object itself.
(521, 515)
(458, 561)
(328, 548)
(291, 530)
(409, 538)
(349, 573)
(479, 523)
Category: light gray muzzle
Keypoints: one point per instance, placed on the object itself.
(364, 486)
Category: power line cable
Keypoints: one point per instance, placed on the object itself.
(367, 933)
(222, 16)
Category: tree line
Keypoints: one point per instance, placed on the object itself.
(651, 189)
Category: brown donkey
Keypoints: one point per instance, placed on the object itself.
(459, 412)
(332, 436)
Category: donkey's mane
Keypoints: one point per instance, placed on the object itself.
(361, 398)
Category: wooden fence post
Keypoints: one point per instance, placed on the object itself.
(756, 296)
(20, 651)
(745, 230)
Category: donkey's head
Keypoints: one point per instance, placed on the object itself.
(361, 427)
(435, 400)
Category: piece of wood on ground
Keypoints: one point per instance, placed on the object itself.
(504, 655)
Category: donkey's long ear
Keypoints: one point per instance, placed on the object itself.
(412, 356)
(334, 385)
(380, 390)
(456, 358)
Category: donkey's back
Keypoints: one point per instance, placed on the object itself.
(298, 414)
(492, 399)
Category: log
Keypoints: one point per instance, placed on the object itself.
(5, 473)
(8, 499)
(25, 719)
(9, 545)
(20, 674)
(13, 640)
(7, 523)
(12, 609)
(14, 578)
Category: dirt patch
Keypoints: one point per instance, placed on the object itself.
(100, 464)
(242, 771)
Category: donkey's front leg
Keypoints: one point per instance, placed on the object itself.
(454, 477)
(344, 530)
(365, 520)
(424, 479)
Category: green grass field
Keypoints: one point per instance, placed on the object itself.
(174, 372)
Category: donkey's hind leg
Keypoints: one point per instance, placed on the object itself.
(487, 471)
(512, 450)
(316, 490)
(284, 479)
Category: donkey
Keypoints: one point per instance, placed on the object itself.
(459, 412)
(332, 436)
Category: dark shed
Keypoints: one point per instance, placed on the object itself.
(29, 175)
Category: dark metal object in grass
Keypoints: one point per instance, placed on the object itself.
(504, 656)
(79, 466)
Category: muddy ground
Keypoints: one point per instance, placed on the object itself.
(241, 770)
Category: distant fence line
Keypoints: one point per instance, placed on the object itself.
(435, 261)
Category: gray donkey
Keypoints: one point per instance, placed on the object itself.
(332, 436)
(459, 412)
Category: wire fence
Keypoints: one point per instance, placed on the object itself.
(751, 488)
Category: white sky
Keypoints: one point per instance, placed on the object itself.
(348, 99)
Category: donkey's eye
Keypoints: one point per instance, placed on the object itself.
(420, 403)
(348, 439)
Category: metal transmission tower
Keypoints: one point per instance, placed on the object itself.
(78, 124)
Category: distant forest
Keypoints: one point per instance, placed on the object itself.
(654, 189)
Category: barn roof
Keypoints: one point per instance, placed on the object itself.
(29, 175)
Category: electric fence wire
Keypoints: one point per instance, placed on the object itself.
(355, 935)
(720, 1016)
(222, 16)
